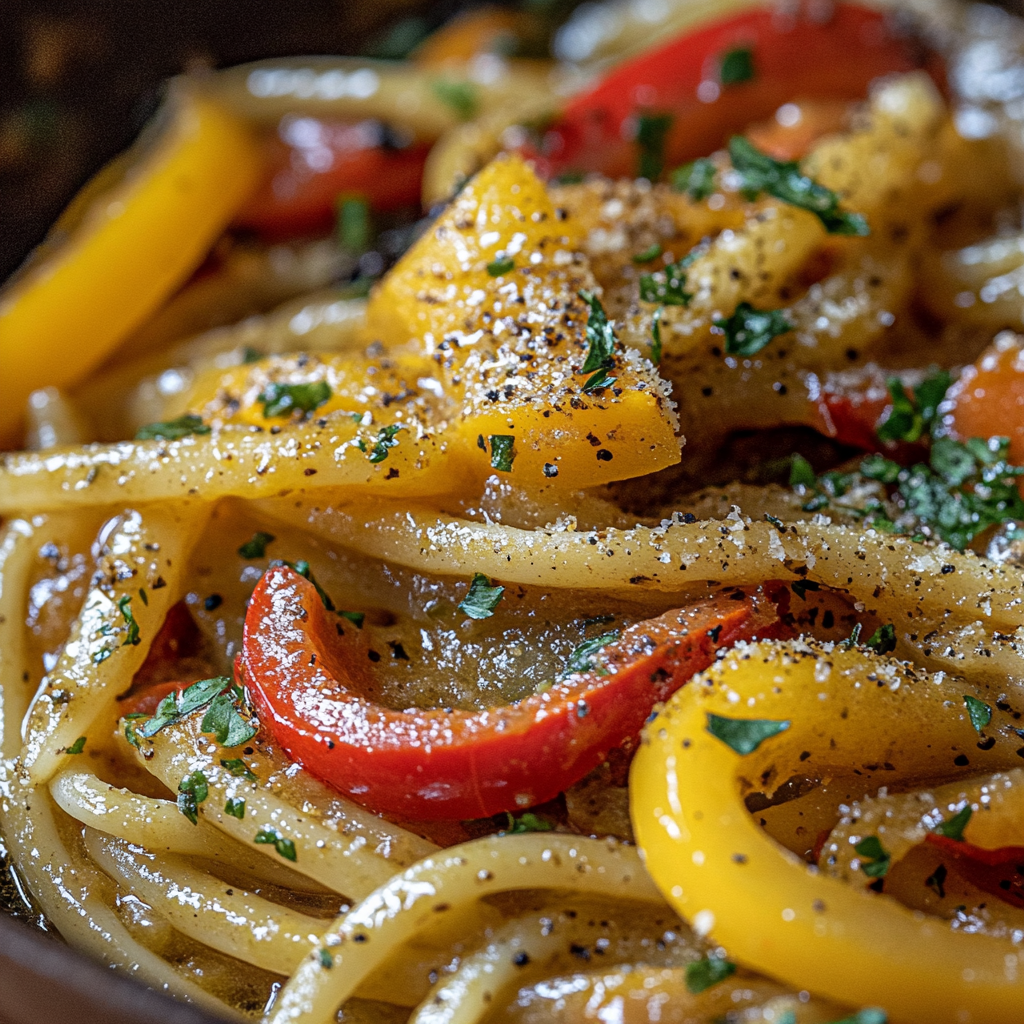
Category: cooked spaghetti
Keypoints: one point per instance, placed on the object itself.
(615, 615)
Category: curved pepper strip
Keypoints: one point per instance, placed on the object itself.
(309, 690)
(845, 715)
(136, 242)
(795, 56)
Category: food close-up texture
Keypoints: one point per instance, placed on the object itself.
(525, 524)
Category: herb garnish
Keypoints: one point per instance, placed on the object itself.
(239, 769)
(256, 547)
(651, 130)
(737, 66)
(225, 723)
(353, 224)
(696, 179)
(528, 822)
(702, 974)
(482, 598)
(325, 958)
(883, 640)
(284, 399)
(270, 837)
(980, 712)
(744, 735)
(171, 430)
(460, 96)
(125, 607)
(876, 859)
(785, 181)
(192, 791)
(175, 706)
(652, 252)
(954, 828)
(583, 657)
(601, 343)
(77, 747)
(385, 439)
(911, 415)
(502, 265)
(668, 287)
(748, 330)
(302, 568)
(502, 451)
(236, 808)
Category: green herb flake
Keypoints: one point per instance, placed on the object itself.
(482, 598)
(584, 657)
(668, 287)
(228, 727)
(696, 179)
(875, 858)
(736, 66)
(601, 339)
(77, 747)
(911, 415)
(883, 640)
(192, 791)
(853, 639)
(601, 379)
(502, 265)
(979, 711)
(528, 822)
(378, 450)
(954, 828)
(461, 97)
(502, 451)
(124, 605)
(801, 473)
(651, 133)
(172, 430)
(175, 706)
(256, 546)
(652, 252)
(143, 596)
(703, 974)
(356, 618)
(353, 224)
(324, 958)
(749, 330)
(239, 769)
(744, 735)
(281, 400)
(269, 837)
(878, 467)
(236, 808)
(785, 181)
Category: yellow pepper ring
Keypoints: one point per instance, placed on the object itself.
(770, 909)
(134, 245)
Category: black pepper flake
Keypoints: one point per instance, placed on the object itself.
(397, 650)
(550, 469)
(961, 760)
(373, 656)
(213, 602)
(521, 959)
(604, 455)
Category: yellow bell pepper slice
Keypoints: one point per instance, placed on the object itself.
(135, 242)
(784, 710)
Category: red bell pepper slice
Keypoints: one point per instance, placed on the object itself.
(998, 872)
(325, 160)
(796, 55)
(309, 686)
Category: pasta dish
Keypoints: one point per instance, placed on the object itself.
(493, 536)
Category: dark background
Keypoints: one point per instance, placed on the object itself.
(78, 79)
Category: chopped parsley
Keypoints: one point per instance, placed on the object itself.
(502, 451)
(482, 598)
(744, 735)
(459, 96)
(502, 265)
(256, 546)
(853, 639)
(77, 747)
(875, 858)
(785, 181)
(270, 837)
(954, 828)
(702, 974)
(528, 822)
(239, 769)
(284, 399)
(652, 252)
(236, 808)
(980, 712)
(668, 287)
(192, 791)
(324, 957)
(736, 66)
(353, 224)
(378, 450)
(651, 131)
(302, 568)
(132, 635)
(583, 657)
(912, 414)
(883, 640)
(171, 430)
(225, 723)
(656, 335)
(601, 338)
(748, 330)
(175, 706)
(696, 179)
